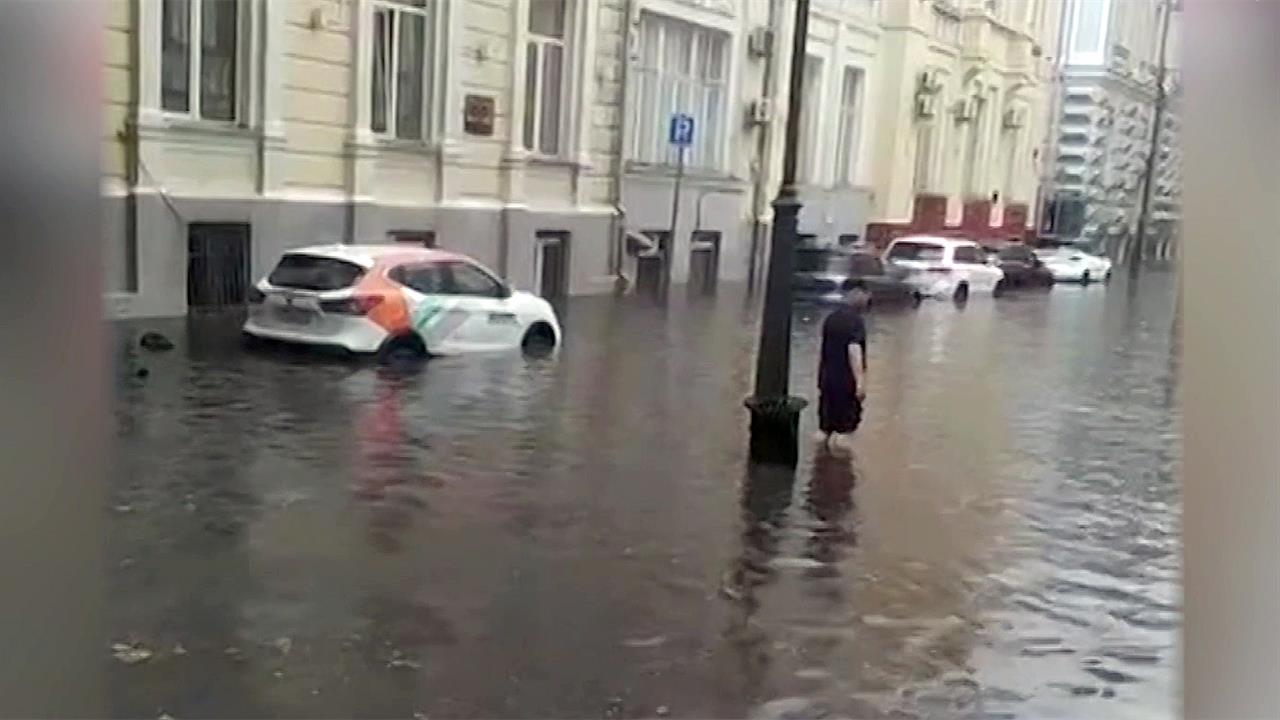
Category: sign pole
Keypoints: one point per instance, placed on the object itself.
(669, 253)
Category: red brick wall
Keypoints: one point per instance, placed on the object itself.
(977, 216)
(929, 212)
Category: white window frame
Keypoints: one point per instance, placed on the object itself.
(431, 12)
(648, 142)
(539, 43)
(240, 115)
(849, 128)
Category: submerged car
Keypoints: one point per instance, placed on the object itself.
(1069, 264)
(395, 301)
(827, 274)
(1022, 269)
(944, 267)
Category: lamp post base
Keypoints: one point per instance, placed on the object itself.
(775, 429)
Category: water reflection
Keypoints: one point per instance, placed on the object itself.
(577, 535)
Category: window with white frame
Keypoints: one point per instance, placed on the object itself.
(200, 61)
(810, 121)
(403, 51)
(682, 69)
(847, 143)
(544, 76)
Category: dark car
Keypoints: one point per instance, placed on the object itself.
(1022, 269)
(826, 275)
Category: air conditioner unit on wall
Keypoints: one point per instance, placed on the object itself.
(1015, 118)
(760, 111)
(926, 106)
(760, 42)
(927, 81)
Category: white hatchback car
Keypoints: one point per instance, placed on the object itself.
(395, 300)
(945, 267)
(1074, 265)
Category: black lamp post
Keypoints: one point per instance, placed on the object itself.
(775, 414)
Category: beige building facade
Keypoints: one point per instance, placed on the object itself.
(964, 111)
(292, 122)
(533, 134)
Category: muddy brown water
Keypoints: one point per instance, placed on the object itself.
(580, 536)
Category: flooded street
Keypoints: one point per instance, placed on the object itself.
(580, 536)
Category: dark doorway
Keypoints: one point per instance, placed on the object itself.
(704, 262)
(551, 264)
(217, 265)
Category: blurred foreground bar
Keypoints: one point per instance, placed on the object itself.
(53, 398)
(1231, 349)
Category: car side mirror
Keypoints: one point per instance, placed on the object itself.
(504, 291)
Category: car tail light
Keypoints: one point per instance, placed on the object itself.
(358, 305)
(256, 296)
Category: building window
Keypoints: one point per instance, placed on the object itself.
(201, 81)
(810, 121)
(402, 44)
(1089, 32)
(847, 143)
(544, 76)
(682, 69)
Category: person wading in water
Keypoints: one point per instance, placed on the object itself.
(842, 368)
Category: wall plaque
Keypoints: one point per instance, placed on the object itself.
(477, 115)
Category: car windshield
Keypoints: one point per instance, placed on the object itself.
(910, 250)
(311, 272)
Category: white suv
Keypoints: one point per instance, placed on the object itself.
(945, 267)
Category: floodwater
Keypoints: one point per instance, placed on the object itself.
(580, 536)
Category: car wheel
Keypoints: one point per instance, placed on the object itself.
(539, 340)
(1001, 286)
(962, 293)
(403, 350)
(1084, 278)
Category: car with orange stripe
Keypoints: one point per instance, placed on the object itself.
(394, 300)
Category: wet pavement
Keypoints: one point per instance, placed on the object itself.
(580, 536)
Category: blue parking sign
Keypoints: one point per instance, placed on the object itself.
(681, 130)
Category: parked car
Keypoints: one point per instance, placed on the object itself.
(1022, 269)
(827, 274)
(944, 267)
(394, 300)
(1068, 264)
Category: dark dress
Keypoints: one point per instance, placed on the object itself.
(839, 410)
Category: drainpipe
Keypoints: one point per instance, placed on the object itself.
(619, 229)
(764, 137)
(132, 168)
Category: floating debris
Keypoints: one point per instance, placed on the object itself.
(130, 653)
(400, 662)
(283, 645)
(178, 649)
(648, 642)
(662, 711)
(155, 342)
